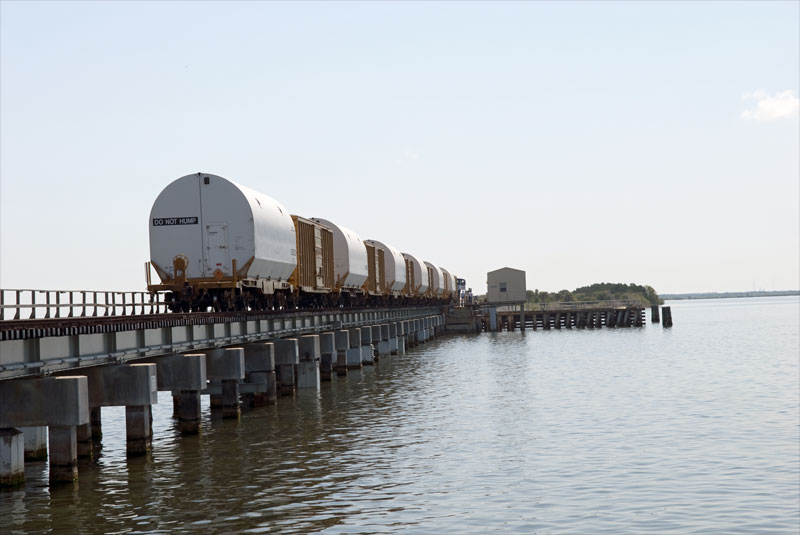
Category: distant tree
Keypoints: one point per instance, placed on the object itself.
(602, 291)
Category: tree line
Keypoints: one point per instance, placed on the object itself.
(602, 291)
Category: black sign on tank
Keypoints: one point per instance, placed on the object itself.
(162, 221)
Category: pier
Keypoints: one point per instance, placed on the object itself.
(65, 355)
(569, 315)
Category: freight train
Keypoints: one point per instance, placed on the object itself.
(217, 245)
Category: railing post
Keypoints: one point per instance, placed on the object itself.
(2, 302)
(47, 302)
(94, 299)
(33, 304)
(70, 304)
(113, 303)
(58, 304)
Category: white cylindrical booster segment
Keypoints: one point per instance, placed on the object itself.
(213, 221)
(349, 256)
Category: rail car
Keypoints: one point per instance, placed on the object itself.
(218, 245)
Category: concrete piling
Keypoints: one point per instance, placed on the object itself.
(83, 435)
(61, 403)
(342, 339)
(259, 368)
(133, 385)
(286, 358)
(225, 365)
(63, 453)
(189, 412)
(422, 332)
(185, 375)
(354, 352)
(231, 408)
(328, 353)
(138, 432)
(654, 318)
(226, 368)
(12, 458)
(96, 423)
(401, 337)
(367, 355)
(35, 443)
(308, 364)
(384, 348)
(376, 340)
(393, 338)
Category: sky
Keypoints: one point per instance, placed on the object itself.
(655, 143)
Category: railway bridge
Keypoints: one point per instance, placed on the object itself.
(66, 354)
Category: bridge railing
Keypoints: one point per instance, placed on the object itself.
(16, 304)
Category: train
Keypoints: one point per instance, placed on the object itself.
(218, 245)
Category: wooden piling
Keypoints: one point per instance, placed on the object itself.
(666, 312)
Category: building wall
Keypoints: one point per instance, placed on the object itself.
(506, 285)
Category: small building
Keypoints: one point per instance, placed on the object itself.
(505, 285)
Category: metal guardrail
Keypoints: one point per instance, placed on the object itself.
(18, 304)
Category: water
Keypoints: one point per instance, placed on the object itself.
(694, 429)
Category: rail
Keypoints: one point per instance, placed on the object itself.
(46, 304)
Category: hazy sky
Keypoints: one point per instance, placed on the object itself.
(656, 143)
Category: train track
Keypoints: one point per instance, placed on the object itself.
(22, 329)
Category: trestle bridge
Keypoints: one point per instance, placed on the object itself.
(66, 354)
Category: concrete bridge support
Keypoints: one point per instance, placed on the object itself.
(393, 338)
(286, 359)
(35, 443)
(63, 453)
(185, 375)
(376, 338)
(12, 457)
(367, 354)
(384, 348)
(96, 423)
(342, 338)
(354, 353)
(413, 333)
(133, 386)
(61, 403)
(327, 359)
(422, 331)
(308, 365)
(225, 367)
(259, 369)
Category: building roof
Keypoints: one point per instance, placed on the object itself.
(505, 269)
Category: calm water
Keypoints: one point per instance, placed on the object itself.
(689, 430)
